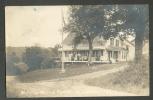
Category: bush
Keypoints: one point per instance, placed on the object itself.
(37, 58)
(22, 67)
(48, 63)
(11, 59)
(33, 57)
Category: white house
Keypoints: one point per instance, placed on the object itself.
(104, 51)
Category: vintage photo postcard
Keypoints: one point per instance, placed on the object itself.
(77, 50)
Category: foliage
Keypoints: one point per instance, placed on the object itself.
(39, 58)
(129, 19)
(86, 22)
(33, 57)
(11, 59)
(30, 58)
(22, 67)
(48, 63)
(54, 51)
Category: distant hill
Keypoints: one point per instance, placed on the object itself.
(18, 50)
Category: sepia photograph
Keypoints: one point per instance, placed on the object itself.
(77, 50)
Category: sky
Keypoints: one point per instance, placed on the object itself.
(34, 25)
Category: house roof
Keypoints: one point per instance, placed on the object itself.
(97, 41)
(69, 41)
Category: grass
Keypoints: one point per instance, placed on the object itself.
(71, 70)
(134, 79)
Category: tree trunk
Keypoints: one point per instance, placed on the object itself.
(90, 52)
(138, 48)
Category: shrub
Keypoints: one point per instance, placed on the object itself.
(33, 57)
(48, 63)
(11, 59)
(22, 67)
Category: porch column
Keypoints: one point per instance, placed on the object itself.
(113, 54)
(119, 55)
(64, 58)
(105, 54)
(126, 55)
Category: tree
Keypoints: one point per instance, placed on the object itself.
(33, 57)
(48, 63)
(86, 22)
(131, 19)
(11, 60)
(137, 19)
(55, 51)
(50, 57)
(22, 67)
(39, 58)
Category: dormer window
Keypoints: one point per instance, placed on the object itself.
(112, 41)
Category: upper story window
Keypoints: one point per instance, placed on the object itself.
(111, 41)
(117, 43)
(121, 42)
(127, 47)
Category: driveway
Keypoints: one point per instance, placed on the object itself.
(67, 87)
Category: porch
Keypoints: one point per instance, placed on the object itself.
(98, 56)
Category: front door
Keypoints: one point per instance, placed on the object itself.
(115, 55)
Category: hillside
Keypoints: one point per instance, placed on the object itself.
(18, 50)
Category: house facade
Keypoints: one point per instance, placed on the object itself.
(104, 51)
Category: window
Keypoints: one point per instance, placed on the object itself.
(94, 53)
(117, 43)
(101, 52)
(122, 55)
(111, 54)
(125, 56)
(111, 41)
(121, 42)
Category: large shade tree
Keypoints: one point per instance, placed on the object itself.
(86, 22)
(130, 19)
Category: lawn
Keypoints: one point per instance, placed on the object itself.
(71, 70)
(134, 79)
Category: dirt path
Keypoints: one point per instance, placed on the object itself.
(67, 87)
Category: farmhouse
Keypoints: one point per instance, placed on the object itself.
(104, 51)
